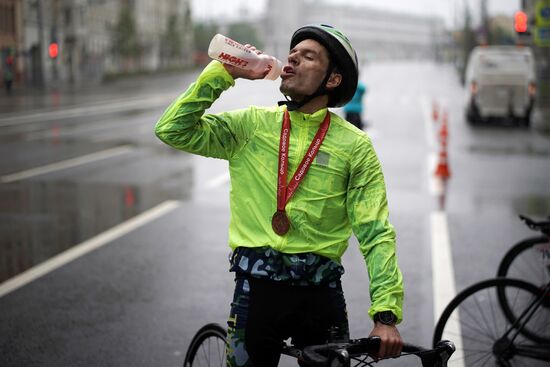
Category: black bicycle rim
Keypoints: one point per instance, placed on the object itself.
(207, 347)
(481, 324)
(526, 262)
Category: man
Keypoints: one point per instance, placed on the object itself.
(288, 234)
(354, 108)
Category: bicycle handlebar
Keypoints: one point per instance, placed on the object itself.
(322, 355)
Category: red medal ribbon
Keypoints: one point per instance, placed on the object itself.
(284, 191)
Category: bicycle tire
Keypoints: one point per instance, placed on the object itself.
(207, 348)
(475, 321)
(529, 261)
(524, 261)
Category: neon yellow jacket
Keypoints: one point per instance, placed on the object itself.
(344, 188)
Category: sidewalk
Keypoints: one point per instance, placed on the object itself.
(35, 100)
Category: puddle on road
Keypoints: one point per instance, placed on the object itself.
(41, 219)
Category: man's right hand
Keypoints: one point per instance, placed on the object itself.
(246, 74)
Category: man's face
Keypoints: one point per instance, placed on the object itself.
(307, 65)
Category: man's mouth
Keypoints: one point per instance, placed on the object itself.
(288, 71)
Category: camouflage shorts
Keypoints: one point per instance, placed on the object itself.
(296, 269)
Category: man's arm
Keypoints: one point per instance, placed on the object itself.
(185, 126)
(368, 213)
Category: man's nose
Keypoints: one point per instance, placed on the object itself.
(292, 59)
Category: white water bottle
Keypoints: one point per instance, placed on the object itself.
(230, 52)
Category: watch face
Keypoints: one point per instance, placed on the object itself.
(387, 318)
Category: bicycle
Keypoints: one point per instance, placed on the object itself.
(207, 348)
(504, 321)
(529, 259)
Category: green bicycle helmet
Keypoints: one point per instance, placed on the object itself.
(342, 55)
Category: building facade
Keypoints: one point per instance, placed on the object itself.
(11, 34)
(375, 34)
(77, 41)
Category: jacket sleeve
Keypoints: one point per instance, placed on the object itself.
(184, 125)
(368, 212)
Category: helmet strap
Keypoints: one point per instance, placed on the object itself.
(321, 91)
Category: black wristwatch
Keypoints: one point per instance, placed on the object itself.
(386, 318)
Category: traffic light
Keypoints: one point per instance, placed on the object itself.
(53, 50)
(520, 22)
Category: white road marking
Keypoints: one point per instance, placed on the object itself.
(217, 181)
(68, 163)
(428, 122)
(443, 275)
(90, 109)
(86, 247)
(444, 282)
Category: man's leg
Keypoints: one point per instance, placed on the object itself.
(324, 309)
(271, 318)
(258, 323)
(237, 355)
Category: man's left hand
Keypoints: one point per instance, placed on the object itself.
(391, 343)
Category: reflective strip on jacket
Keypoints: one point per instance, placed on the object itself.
(344, 188)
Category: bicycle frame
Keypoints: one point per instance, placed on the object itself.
(506, 345)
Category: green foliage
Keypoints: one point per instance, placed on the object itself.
(171, 40)
(244, 33)
(125, 38)
(501, 36)
(203, 33)
(241, 32)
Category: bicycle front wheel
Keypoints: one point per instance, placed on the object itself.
(477, 325)
(207, 348)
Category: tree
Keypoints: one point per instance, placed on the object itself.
(243, 32)
(171, 41)
(125, 39)
(203, 34)
(468, 40)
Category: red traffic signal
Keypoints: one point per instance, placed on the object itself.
(53, 50)
(520, 22)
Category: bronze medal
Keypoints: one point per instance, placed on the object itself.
(280, 223)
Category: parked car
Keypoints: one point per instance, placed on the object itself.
(500, 83)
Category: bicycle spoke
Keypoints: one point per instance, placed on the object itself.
(482, 314)
(485, 359)
(473, 317)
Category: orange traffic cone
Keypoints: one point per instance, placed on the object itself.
(444, 131)
(442, 170)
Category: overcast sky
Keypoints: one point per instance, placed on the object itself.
(208, 9)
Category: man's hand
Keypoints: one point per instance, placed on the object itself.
(391, 343)
(246, 74)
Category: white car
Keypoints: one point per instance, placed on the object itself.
(500, 83)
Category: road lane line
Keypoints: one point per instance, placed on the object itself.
(442, 262)
(68, 163)
(87, 246)
(428, 123)
(443, 280)
(218, 181)
(443, 275)
(91, 109)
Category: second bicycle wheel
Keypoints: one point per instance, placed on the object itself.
(207, 347)
(475, 322)
(529, 260)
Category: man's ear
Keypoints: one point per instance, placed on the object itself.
(334, 80)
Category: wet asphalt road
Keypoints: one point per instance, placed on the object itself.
(138, 299)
